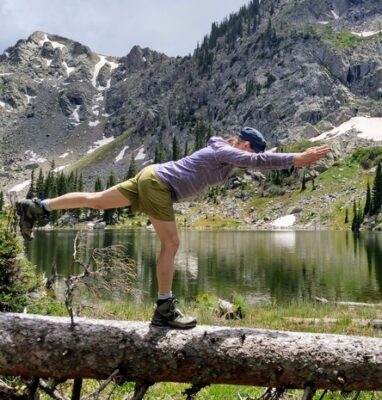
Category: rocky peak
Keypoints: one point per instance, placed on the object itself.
(139, 58)
(291, 68)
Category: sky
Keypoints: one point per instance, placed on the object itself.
(113, 27)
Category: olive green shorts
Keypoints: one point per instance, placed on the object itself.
(148, 194)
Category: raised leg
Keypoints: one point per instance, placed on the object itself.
(109, 198)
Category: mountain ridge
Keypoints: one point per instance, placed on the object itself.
(292, 69)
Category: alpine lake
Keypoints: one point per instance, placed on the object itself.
(276, 267)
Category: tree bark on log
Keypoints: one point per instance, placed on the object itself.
(42, 346)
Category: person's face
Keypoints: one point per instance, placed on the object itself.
(246, 146)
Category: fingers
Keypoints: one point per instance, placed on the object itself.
(311, 156)
(320, 149)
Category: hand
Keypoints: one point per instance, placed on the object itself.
(310, 156)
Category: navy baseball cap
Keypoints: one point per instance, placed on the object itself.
(255, 138)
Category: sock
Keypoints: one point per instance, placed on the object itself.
(45, 204)
(164, 296)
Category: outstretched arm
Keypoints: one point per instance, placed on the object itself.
(310, 156)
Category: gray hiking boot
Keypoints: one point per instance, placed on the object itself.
(166, 314)
(29, 211)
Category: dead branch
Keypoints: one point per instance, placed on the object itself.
(102, 386)
(308, 394)
(193, 390)
(76, 391)
(108, 269)
(140, 390)
(9, 393)
(52, 392)
(32, 387)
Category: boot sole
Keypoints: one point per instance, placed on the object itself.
(173, 325)
(20, 212)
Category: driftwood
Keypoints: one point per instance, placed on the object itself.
(41, 346)
(347, 303)
(372, 323)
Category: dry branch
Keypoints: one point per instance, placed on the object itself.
(10, 393)
(44, 346)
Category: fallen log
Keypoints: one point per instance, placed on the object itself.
(322, 300)
(42, 346)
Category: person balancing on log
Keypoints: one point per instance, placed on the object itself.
(156, 187)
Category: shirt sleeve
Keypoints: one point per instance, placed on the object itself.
(241, 158)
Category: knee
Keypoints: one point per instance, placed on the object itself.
(96, 201)
(171, 244)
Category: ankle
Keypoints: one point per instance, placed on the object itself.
(45, 204)
(165, 295)
(165, 300)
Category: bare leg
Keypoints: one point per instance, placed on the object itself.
(168, 236)
(110, 198)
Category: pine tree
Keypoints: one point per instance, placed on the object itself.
(303, 182)
(110, 215)
(201, 131)
(50, 188)
(208, 133)
(32, 188)
(132, 168)
(62, 184)
(159, 156)
(377, 191)
(79, 187)
(75, 182)
(98, 184)
(1, 201)
(40, 191)
(367, 208)
(80, 183)
(354, 224)
(357, 217)
(186, 149)
(175, 149)
(97, 188)
(71, 182)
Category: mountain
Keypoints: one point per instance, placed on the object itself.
(292, 68)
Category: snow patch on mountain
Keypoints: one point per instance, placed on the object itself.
(34, 157)
(284, 222)
(141, 154)
(367, 128)
(54, 44)
(121, 154)
(100, 143)
(19, 187)
(68, 69)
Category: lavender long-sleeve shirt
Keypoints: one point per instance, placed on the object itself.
(212, 165)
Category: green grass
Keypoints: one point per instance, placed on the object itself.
(100, 153)
(266, 316)
(343, 39)
(216, 222)
(346, 39)
(298, 147)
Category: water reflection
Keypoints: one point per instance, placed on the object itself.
(276, 266)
